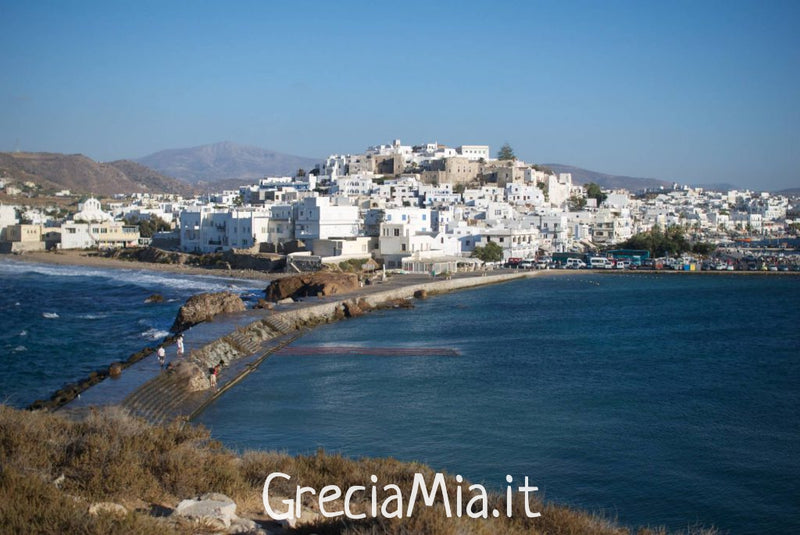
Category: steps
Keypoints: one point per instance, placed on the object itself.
(165, 398)
(279, 324)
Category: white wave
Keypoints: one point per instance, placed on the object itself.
(139, 277)
(154, 334)
(49, 315)
(93, 316)
(19, 349)
(23, 332)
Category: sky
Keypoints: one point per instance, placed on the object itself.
(688, 91)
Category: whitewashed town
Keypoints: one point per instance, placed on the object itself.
(421, 208)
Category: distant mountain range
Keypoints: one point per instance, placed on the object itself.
(225, 160)
(604, 180)
(82, 175)
(220, 166)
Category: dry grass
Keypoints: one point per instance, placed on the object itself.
(113, 457)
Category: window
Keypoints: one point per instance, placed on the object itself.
(397, 232)
(403, 247)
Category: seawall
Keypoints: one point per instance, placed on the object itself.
(185, 391)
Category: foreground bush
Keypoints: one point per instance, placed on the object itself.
(53, 468)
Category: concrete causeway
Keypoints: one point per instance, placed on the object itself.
(244, 341)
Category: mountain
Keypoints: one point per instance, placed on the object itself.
(225, 160)
(630, 183)
(791, 192)
(81, 174)
(723, 187)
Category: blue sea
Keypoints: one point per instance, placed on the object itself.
(59, 323)
(652, 399)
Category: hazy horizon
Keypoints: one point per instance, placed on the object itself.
(692, 92)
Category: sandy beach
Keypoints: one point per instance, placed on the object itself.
(90, 259)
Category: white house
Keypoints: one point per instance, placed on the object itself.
(326, 217)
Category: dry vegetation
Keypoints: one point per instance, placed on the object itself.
(52, 468)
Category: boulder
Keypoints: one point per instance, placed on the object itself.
(205, 306)
(155, 298)
(263, 304)
(115, 370)
(312, 284)
(209, 512)
(352, 310)
(107, 508)
(192, 376)
(421, 294)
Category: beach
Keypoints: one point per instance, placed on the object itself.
(91, 259)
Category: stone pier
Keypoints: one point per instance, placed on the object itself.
(243, 341)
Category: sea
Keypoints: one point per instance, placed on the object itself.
(59, 323)
(654, 400)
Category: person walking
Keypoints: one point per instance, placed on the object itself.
(213, 377)
(162, 357)
(179, 343)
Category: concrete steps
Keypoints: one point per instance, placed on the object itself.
(279, 324)
(165, 398)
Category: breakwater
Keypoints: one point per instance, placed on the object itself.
(244, 344)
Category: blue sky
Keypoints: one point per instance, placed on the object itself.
(696, 92)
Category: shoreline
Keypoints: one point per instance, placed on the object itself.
(301, 315)
(88, 259)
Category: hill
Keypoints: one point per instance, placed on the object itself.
(81, 174)
(225, 160)
(630, 183)
(791, 192)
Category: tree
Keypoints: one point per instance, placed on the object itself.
(301, 172)
(148, 227)
(491, 252)
(576, 204)
(593, 191)
(506, 153)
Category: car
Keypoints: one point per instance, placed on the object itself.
(575, 263)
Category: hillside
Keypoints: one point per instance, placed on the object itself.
(584, 176)
(82, 175)
(225, 160)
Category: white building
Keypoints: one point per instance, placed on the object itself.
(474, 152)
(517, 241)
(206, 229)
(326, 217)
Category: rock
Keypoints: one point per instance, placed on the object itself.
(194, 378)
(397, 303)
(263, 303)
(115, 370)
(244, 525)
(312, 284)
(352, 310)
(205, 306)
(107, 508)
(59, 481)
(155, 298)
(421, 294)
(208, 511)
(287, 301)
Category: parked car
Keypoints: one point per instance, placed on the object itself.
(575, 263)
